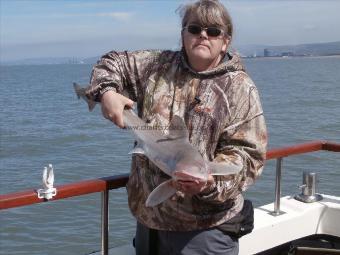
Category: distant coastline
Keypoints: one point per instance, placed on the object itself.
(329, 49)
(92, 63)
(290, 57)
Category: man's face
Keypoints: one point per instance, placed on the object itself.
(202, 46)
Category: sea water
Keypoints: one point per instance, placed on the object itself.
(42, 122)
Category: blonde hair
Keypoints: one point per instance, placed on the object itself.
(207, 13)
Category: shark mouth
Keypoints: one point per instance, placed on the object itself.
(184, 176)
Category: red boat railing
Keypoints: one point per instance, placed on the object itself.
(105, 184)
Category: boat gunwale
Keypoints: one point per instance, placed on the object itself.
(28, 197)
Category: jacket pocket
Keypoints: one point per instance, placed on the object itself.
(242, 223)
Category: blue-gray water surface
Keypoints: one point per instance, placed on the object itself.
(42, 122)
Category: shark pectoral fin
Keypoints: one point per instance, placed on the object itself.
(137, 150)
(160, 194)
(224, 168)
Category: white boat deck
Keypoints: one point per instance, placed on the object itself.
(298, 220)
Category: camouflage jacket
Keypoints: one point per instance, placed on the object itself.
(223, 113)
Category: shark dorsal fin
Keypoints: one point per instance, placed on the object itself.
(177, 129)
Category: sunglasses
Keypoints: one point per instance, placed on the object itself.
(197, 30)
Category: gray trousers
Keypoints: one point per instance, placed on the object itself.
(199, 242)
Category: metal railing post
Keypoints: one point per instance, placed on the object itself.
(105, 222)
(277, 211)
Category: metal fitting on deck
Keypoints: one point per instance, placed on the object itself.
(48, 192)
(308, 187)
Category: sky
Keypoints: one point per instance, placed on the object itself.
(84, 28)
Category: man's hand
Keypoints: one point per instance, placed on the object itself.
(193, 187)
(113, 105)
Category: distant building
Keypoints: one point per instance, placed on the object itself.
(287, 54)
(266, 53)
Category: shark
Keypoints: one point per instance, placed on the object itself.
(172, 153)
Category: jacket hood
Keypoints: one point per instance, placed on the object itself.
(230, 63)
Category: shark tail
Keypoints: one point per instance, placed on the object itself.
(81, 93)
